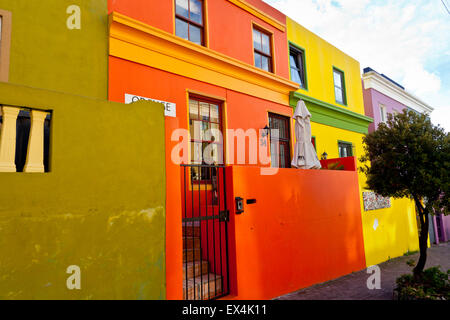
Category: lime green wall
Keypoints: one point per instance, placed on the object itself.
(320, 58)
(102, 206)
(46, 54)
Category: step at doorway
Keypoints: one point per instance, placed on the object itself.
(205, 233)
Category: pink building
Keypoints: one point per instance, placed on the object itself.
(383, 96)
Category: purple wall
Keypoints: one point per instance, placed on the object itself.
(444, 228)
(446, 225)
(372, 100)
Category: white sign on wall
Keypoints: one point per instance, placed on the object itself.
(170, 108)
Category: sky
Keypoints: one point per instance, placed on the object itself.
(407, 40)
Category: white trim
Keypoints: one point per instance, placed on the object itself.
(373, 80)
(383, 113)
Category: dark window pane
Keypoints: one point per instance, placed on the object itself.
(193, 109)
(182, 29)
(195, 34)
(274, 154)
(280, 155)
(214, 112)
(337, 79)
(47, 144)
(295, 76)
(257, 40)
(23, 125)
(196, 11)
(257, 60)
(265, 44)
(265, 63)
(293, 58)
(204, 111)
(345, 150)
(297, 67)
(339, 97)
(182, 8)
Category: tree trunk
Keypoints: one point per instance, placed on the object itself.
(423, 240)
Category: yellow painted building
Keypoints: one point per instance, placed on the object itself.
(330, 85)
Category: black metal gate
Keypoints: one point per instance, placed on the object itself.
(205, 232)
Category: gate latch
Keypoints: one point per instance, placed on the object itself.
(224, 216)
(239, 205)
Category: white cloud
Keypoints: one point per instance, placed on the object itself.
(398, 38)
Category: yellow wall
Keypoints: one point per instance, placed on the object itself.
(320, 58)
(396, 233)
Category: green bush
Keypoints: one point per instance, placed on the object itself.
(433, 285)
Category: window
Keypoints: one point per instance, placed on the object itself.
(189, 21)
(383, 114)
(5, 43)
(345, 149)
(205, 125)
(297, 63)
(26, 152)
(262, 49)
(339, 86)
(281, 156)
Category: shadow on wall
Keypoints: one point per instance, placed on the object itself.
(305, 228)
(394, 234)
(101, 207)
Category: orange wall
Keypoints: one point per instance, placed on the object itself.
(229, 27)
(295, 235)
(145, 11)
(242, 111)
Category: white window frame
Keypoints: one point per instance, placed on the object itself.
(383, 113)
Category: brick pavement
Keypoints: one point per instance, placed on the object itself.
(354, 287)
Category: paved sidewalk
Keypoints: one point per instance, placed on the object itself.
(353, 286)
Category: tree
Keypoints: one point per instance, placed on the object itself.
(410, 157)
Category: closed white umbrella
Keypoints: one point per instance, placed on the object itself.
(305, 156)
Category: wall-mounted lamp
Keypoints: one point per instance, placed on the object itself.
(265, 131)
(324, 156)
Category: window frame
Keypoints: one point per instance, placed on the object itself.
(284, 141)
(202, 26)
(270, 57)
(5, 44)
(301, 51)
(350, 144)
(383, 113)
(314, 142)
(220, 104)
(343, 88)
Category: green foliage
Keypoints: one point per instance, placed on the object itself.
(409, 157)
(433, 285)
(335, 166)
(410, 253)
(410, 262)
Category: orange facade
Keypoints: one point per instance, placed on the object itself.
(229, 28)
(148, 60)
(294, 235)
(242, 111)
